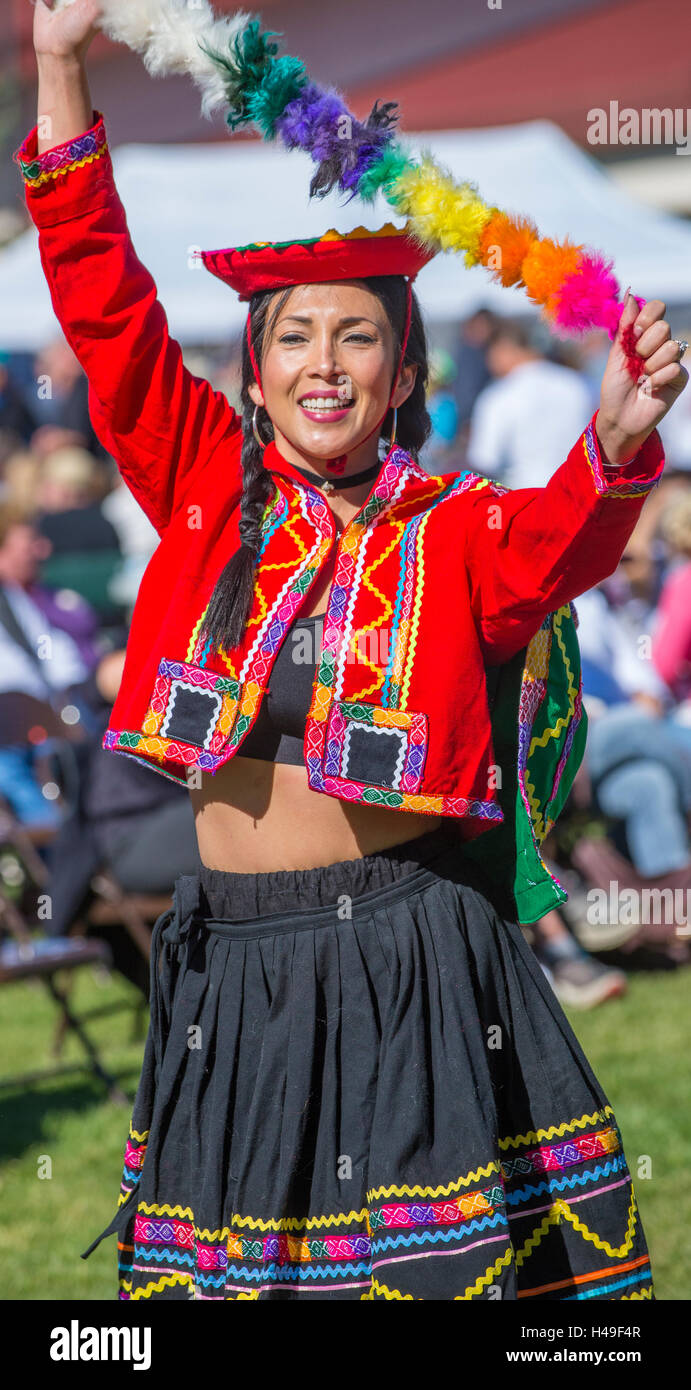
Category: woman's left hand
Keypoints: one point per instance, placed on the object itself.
(629, 411)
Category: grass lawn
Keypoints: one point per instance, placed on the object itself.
(638, 1047)
(46, 1223)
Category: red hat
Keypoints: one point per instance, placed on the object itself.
(264, 265)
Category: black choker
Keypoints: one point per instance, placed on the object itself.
(332, 485)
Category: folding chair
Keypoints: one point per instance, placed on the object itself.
(25, 956)
(136, 911)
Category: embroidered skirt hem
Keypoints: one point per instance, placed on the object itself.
(358, 1084)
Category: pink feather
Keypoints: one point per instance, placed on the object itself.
(588, 297)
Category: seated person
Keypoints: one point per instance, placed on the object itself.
(46, 648)
(138, 826)
(639, 757)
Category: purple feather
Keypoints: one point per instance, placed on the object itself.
(310, 122)
(314, 122)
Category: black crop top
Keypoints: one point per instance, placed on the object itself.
(278, 733)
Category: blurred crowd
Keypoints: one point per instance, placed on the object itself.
(506, 401)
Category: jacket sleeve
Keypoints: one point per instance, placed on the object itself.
(531, 550)
(160, 423)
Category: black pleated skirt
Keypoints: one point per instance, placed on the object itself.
(358, 1084)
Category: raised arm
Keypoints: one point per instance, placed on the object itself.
(531, 550)
(160, 423)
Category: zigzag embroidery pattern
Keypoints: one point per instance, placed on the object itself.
(282, 1253)
(556, 1131)
(558, 1213)
(377, 623)
(67, 169)
(165, 1282)
(64, 159)
(540, 827)
(561, 1212)
(618, 490)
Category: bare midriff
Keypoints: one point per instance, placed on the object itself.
(255, 817)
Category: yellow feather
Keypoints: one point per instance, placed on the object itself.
(443, 212)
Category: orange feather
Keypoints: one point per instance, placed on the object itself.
(545, 268)
(504, 245)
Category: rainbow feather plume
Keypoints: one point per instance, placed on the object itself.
(237, 65)
(575, 287)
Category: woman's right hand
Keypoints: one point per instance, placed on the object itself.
(66, 32)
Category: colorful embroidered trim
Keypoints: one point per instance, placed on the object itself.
(325, 736)
(135, 1152)
(533, 690)
(161, 736)
(256, 668)
(409, 591)
(338, 633)
(191, 707)
(405, 733)
(551, 1156)
(570, 720)
(625, 489)
(358, 233)
(161, 750)
(461, 1218)
(339, 731)
(64, 158)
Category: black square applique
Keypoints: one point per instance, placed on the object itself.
(191, 715)
(371, 755)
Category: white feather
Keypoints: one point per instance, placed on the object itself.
(167, 34)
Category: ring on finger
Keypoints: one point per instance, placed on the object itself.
(682, 345)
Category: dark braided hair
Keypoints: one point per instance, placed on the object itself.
(231, 602)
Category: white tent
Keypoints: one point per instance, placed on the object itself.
(183, 197)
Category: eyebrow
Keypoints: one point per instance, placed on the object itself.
(342, 323)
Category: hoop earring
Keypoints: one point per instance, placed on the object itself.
(255, 430)
(395, 422)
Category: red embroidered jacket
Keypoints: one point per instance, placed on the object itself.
(436, 577)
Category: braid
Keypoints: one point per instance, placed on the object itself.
(231, 602)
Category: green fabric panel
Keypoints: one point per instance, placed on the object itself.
(508, 853)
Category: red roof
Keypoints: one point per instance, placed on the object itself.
(635, 52)
(447, 67)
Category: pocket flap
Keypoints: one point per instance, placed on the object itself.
(376, 747)
(191, 706)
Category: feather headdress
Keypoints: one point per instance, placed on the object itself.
(237, 67)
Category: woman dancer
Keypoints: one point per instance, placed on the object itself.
(356, 1083)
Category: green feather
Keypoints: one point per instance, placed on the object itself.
(383, 174)
(282, 83)
(251, 57)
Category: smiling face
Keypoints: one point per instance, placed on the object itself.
(331, 342)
